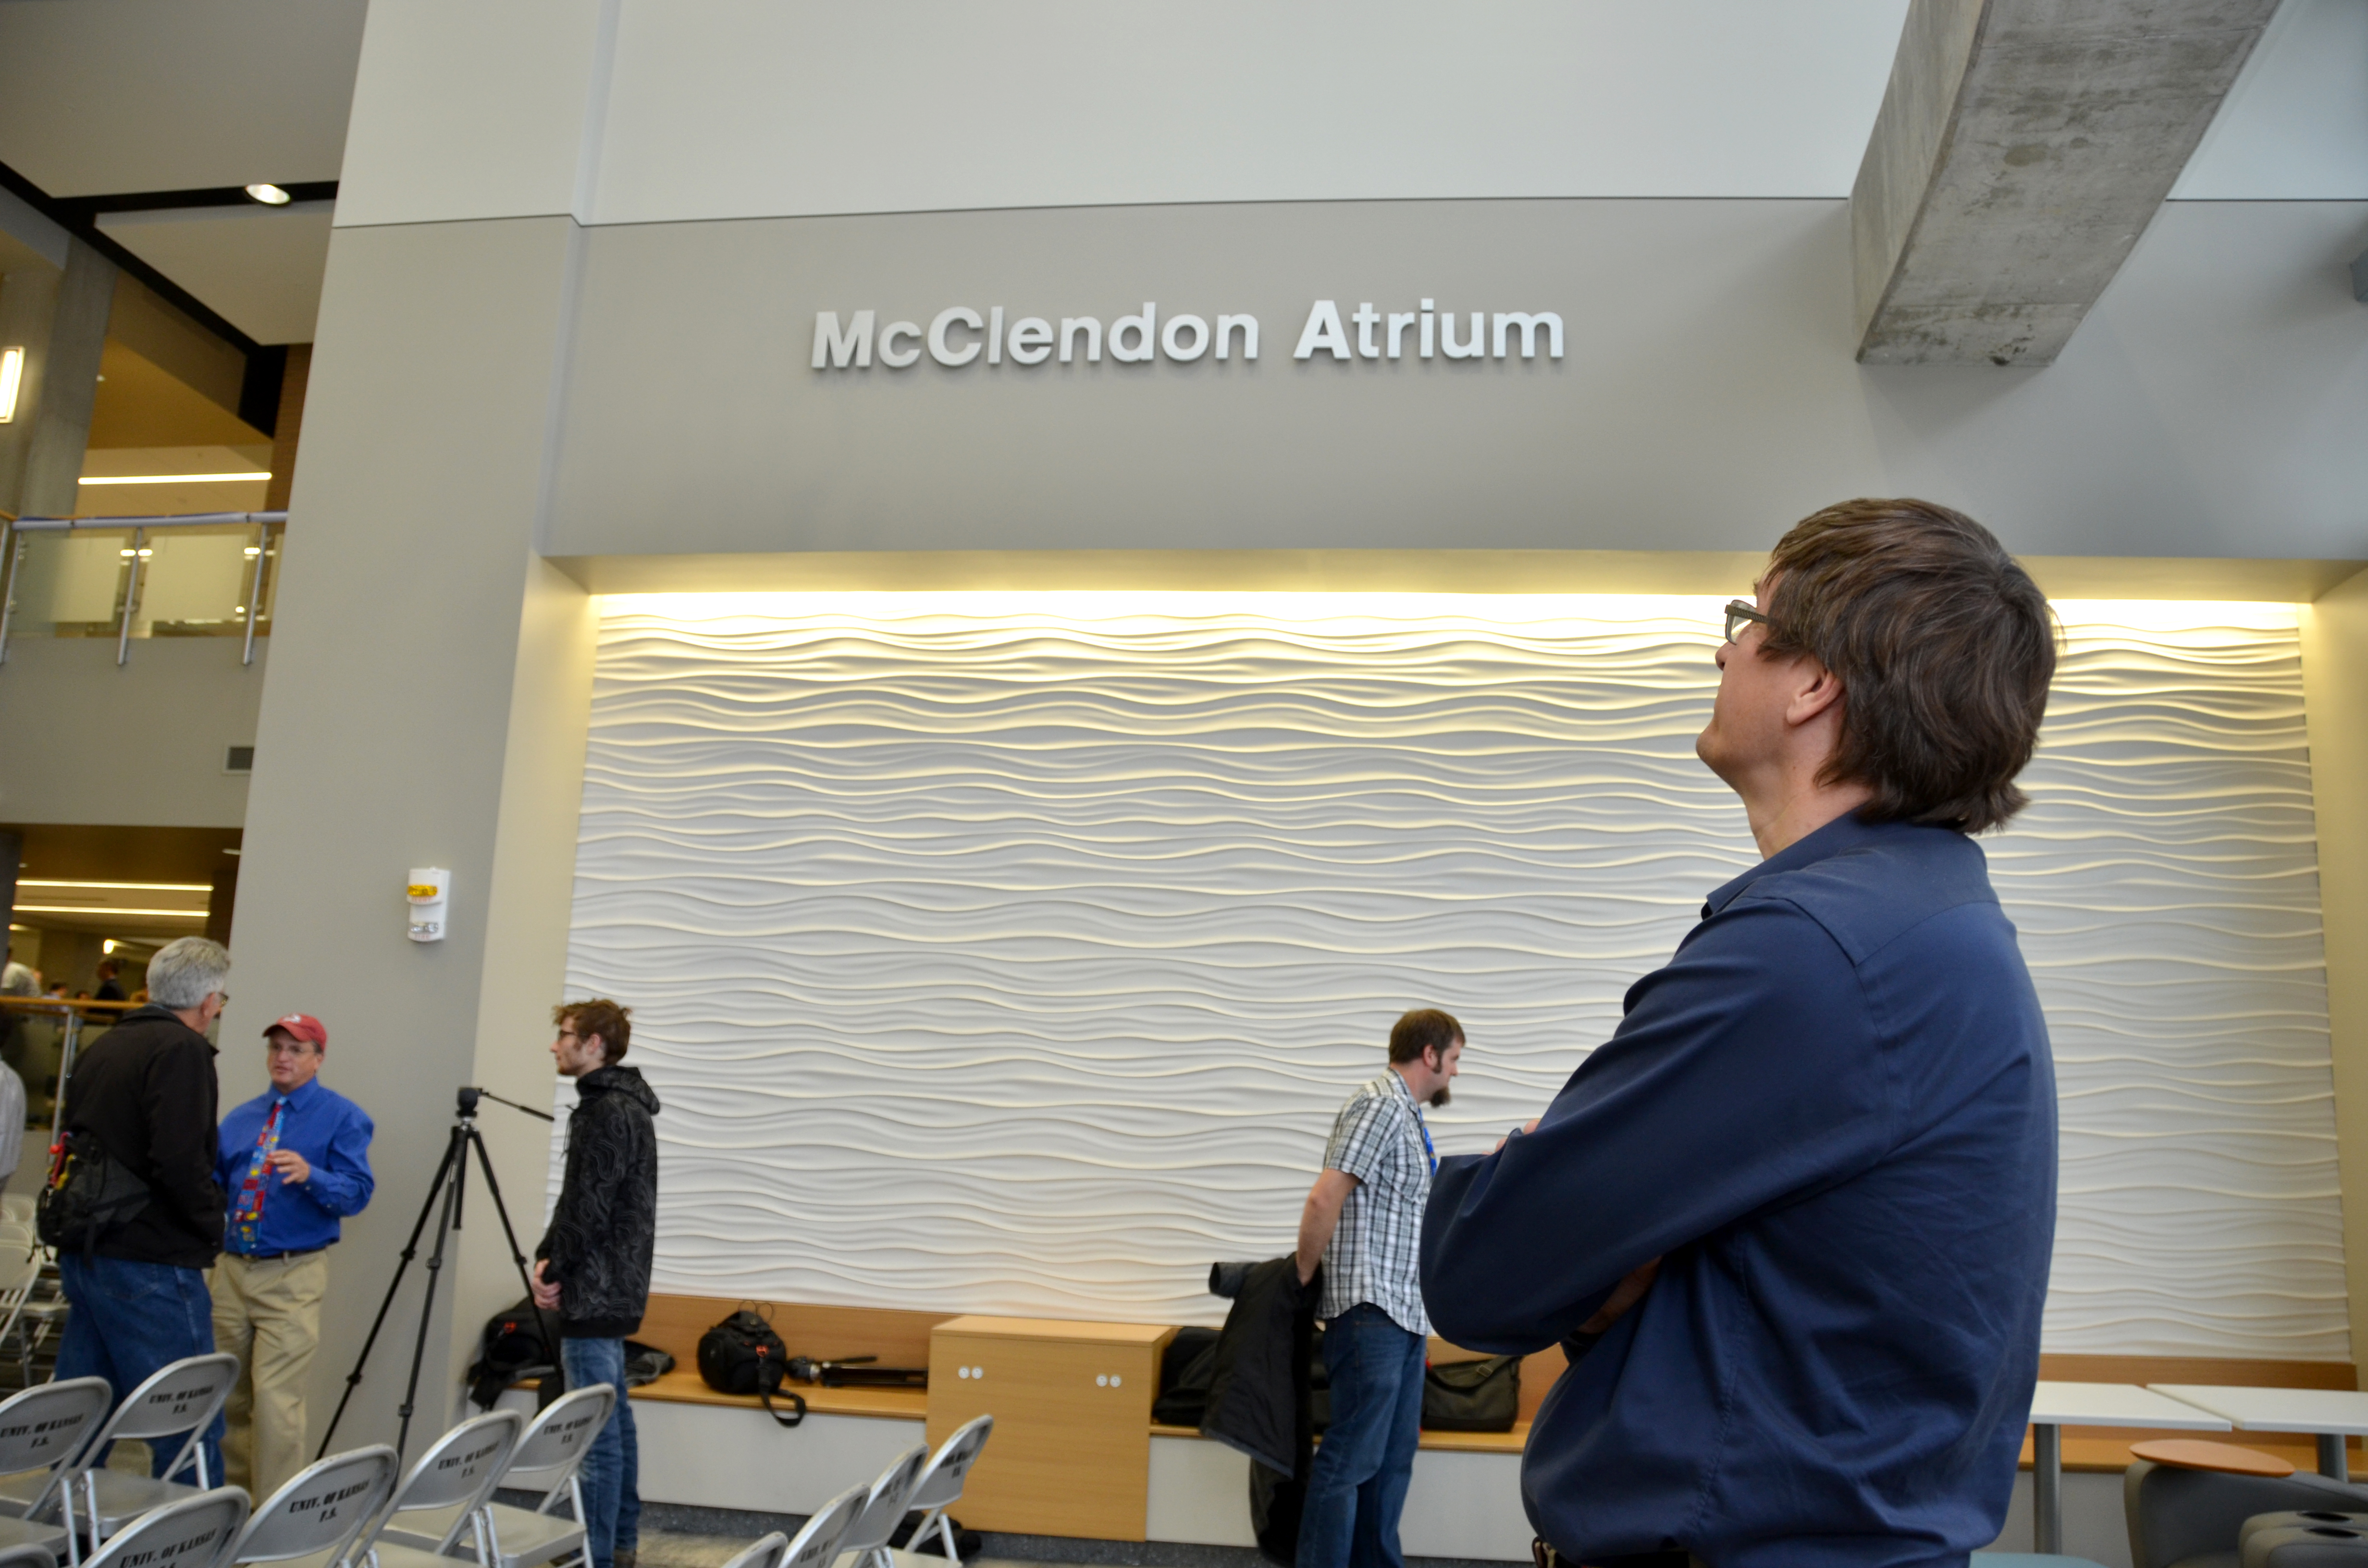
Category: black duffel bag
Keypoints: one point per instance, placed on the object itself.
(743, 1355)
(1473, 1396)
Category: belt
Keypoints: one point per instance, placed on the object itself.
(1543, 1554)
(276, 1256)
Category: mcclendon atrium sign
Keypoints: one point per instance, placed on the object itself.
(958, 336)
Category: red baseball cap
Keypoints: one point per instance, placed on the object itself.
(303, 1026)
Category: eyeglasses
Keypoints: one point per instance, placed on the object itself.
(1739, 615)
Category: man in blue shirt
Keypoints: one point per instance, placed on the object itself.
(294, 1161)
(1830, 1120)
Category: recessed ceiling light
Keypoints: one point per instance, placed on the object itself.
(270, 195)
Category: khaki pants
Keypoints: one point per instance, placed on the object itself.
(268, 1313)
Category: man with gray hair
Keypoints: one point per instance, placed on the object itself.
(145, 1095)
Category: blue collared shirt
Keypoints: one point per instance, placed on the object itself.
(333, 1134)
(1832, 1115)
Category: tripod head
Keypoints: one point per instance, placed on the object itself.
(468, 1099)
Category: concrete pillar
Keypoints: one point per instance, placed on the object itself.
(2334, 692)
(429, 693)
(59, 317)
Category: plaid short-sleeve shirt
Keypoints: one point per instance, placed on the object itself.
(1378, 1138)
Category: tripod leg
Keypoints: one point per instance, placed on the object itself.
(518, 1255)
(427, 1306)
(410, 1249)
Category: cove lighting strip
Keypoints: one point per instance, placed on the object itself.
(171, 477)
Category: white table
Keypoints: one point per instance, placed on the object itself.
(2054, 1406)
(2330, 1415)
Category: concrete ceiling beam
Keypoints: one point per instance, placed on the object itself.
(2022, 148)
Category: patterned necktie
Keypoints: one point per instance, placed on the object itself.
(247, 1219)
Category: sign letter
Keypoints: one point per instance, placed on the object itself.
(1322, 331)
(853, 345)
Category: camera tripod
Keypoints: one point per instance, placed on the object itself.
(446, 1189)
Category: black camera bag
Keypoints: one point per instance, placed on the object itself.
(1473, 1396)
(743, 1355)
(89, 1193)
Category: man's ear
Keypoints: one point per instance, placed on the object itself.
(1819, 689)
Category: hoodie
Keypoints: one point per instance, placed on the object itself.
(606, 1224)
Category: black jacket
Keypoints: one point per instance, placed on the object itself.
(146, 1089)
(607, 1222)
(1258, 1391)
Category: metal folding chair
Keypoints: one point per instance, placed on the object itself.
(322, 1510)
(197, 1531)
(184, 1396)
(42, 1431)
(457, 1473)
(883, 1510)
(27, 1555)
(765, 1551)
(940, 1486)
(816, 1546)
(550, 1454)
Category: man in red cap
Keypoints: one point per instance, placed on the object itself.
(294, 1161)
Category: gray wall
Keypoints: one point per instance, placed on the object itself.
(140, 743)
(2211, 406)
(428, 708)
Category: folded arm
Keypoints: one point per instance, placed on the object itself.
(1745, 1073)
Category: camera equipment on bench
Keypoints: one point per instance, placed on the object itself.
(856, 1373)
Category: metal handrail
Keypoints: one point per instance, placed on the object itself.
(12, 555)
(70, 1044)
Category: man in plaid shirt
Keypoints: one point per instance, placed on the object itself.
(1363, 1220)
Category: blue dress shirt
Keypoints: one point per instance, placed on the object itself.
(1832, 1115)
(333, 1134)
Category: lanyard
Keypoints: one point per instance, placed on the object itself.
(1424, 1128)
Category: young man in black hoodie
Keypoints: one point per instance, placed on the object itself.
(146, 1092)
(593, 1264)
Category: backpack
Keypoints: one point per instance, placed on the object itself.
(88, 1194)
(743, 1355)
(510, 1351)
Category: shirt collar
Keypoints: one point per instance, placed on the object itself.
(1405, 1093)
(300, 1100)
(1846, 832)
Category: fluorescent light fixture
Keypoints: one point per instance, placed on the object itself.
(12, 375)
(270, 195)
(171, 477)
(126, 887)
(93, 909)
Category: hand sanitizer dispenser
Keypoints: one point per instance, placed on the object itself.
(430, 886)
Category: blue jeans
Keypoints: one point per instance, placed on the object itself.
(611, 1474)
(1358, 1486)
(126, 1320)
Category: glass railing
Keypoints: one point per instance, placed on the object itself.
(205, 575)
(41, 1036)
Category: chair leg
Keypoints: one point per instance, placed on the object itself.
(946, 1533)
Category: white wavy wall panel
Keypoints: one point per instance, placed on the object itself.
(1014, 956)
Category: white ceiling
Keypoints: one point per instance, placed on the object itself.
(259, 267)
(103, 97)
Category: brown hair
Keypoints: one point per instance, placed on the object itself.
(1944, 646)
(599, 1017)
(1424, 1029)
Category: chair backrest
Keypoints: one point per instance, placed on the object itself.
(942, 1481)
(321, 1509)
(181, 1396)
(20, 1268)
(2175, 1513)
(48, 1424)
(562, 1434)
(817, 1545)
(28, 1555)
(883, 1510)
(461, 1467)
(194, 1532)
(763, 1552)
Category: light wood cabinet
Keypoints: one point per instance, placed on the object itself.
(1071, 1453)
